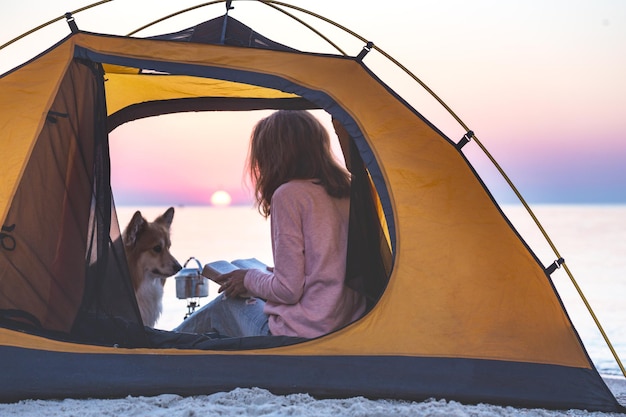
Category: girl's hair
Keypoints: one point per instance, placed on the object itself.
(289, 145)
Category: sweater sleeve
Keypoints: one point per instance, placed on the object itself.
(286, 284)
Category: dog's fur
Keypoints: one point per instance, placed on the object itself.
(147, 247)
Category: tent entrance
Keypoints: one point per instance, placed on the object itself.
(89, 298)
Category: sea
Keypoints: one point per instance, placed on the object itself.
(591, 239)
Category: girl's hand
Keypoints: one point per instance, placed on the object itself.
(232, 283)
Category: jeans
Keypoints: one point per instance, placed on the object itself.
(234, 317)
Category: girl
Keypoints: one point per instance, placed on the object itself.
(305, 193)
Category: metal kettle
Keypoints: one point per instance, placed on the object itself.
(190, 283)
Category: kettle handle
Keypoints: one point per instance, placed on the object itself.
(197, 261)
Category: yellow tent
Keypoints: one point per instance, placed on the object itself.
(463, 308)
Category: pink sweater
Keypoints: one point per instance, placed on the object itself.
(305, 294)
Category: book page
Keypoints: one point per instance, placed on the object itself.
(214, 269)
(250, 263)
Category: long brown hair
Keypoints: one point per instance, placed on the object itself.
(288, 145)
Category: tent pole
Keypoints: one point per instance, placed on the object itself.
(174, 14)
(595, 319)
(23, 35)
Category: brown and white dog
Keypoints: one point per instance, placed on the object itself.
(147, 247)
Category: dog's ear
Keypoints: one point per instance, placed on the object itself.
(166, 218)
(131, 232)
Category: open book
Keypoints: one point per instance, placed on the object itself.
(217, 268)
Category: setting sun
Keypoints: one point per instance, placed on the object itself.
(221, 199)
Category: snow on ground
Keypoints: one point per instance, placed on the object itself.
(259, 402)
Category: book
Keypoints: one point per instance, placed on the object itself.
(216, 268)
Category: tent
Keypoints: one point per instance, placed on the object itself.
(461, 308)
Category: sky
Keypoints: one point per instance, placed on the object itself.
(541, 83)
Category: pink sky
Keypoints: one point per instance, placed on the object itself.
(188, 157)
(185, 158)
(541, 84)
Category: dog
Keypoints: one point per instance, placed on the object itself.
(147, 247)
